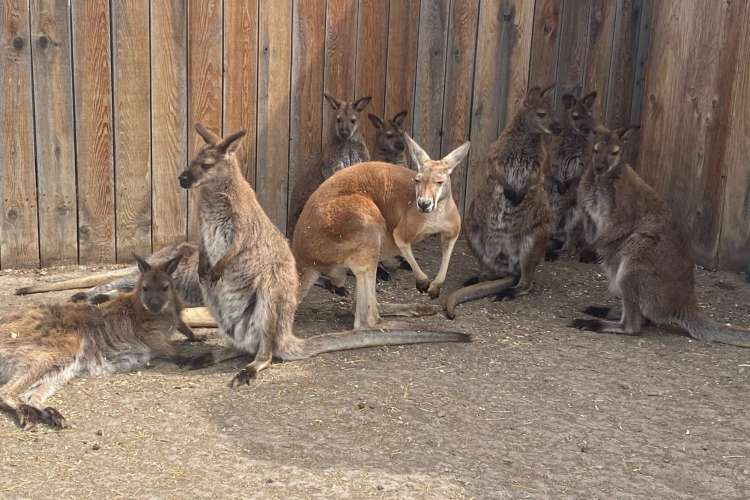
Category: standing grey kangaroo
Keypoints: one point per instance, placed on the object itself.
(645, 255)
(389, 139)
(248, 274)
(348, 146)
(42, 348)
(508, 223)
(566, 163)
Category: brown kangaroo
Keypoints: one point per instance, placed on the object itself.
(248, 275)
(644, 253)
(389, 139)
(508, 223)
(42, 348)
(348, 146)
(375, 210)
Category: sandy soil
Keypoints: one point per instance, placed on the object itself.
(531, 409)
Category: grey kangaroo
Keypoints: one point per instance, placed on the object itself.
(248, 274)
(348, 146)
(644, 253)
(566, 163)
(508, 223)
(389, 139)
(42, 348)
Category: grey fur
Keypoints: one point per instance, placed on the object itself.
(347, 146)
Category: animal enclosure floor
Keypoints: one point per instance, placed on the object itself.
(531, 409)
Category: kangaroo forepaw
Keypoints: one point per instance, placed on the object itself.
(507, 294)
(28, 417)
(79, 297)
(243, 377)
(383, 274)
(592, 325)
(99, 298)
(597, 311)
(423, 285)
(434, 290)
(54, 418)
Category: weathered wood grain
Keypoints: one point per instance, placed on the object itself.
(573, 48)
(599, 60)
(403, 29)
(274, 80)
(621, 83)
(240, 77)
(306, 106)
(55, 139)
(132, 101)
(518, 27)
(205, 60)
(94, 135)
(169, 133)
(545, 42)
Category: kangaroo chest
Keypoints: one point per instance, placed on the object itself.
(217, 228)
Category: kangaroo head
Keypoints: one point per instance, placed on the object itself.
(212, 162)
(346, 123)
(155, 287)
(432, 181)
(608, 146)
(580, 113)
(538, 114)
(389, 136)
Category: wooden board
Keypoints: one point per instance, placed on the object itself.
(428, 95)
(274, 80)
(573, 48)
(94, 135)
(240, 77)
(403, 22)
(205, 56)
(545, 42)
(306, 106)
(55, 140)
(459, 77)
(132, 101)
(623, 63)
(598, 64)
(168, 120)
(517, 32)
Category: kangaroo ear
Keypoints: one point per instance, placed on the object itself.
(361, 103)
(544, 91)
(568, 100)
(171, 264)
(335, 103)
(588, 99)
(208, 136)
(398, 120)
(455, 157)
(230, 143)
(143, 266)
(417, 153)
(625, 133)
(376, 122)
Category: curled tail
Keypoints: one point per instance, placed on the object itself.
(357, 339)
(704, 328)
(474, 292)
(71, 284)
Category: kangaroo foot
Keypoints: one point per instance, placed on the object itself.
(243, 377)
(54, 418)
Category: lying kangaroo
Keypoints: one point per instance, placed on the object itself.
(348, 146)
(389, 139)
(248, 275)
(508, 223)
(566, 163)
(644, 253)
(370, 210)
(41, 349)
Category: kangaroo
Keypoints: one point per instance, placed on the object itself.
(389, 139)
(644, 253)
(508, 223)
(42, 348)
(377, 209)
(248, 275)
(348, 146)
(564, 167)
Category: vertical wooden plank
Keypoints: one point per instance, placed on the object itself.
(644, 40)
(19, 236)
(459, 76)
(132, 91)
(403, 23)
(274, 73)
(601, 30)
(205, 56)
(428, 97)
(306, 115)
(571, 59)
(240, 77)
(545, 42)
(340, 56)
(372, 52)
(55, 141)
(734, 247)
(518, 27)
(94, 142)
(623, 64)
(168, 120)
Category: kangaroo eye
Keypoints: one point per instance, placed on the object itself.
(541, 114)
(615, 152)
(354, 120)
(338, 118)
(596, 147)
(576, 116)
(389, 134)
(165, 288)
(145, 288)
(206, 166)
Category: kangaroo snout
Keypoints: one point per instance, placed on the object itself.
(186, 179)
(425, 205)
(555, 128)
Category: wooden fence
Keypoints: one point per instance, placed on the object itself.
(99, 98)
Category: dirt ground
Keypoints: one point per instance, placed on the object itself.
(531, 409)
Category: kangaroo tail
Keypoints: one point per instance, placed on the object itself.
(704, 328)
(474, 292)
(82, 282)
(357, 339)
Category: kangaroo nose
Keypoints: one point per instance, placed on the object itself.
(185, 179)
(425, 205)
(400, 146)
